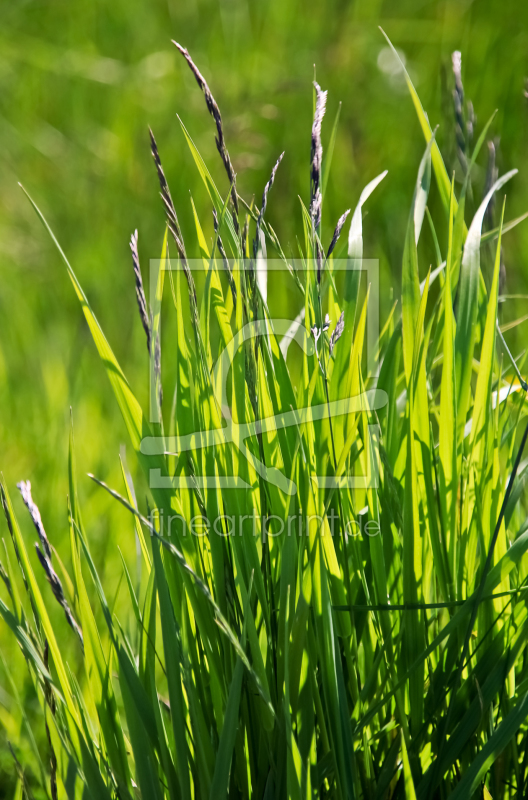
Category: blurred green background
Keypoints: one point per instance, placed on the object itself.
(79, 85)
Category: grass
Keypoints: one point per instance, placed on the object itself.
(379, 650)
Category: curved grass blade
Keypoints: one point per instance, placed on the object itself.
(467, 304)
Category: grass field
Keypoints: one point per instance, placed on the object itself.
(74, 132)
(80, 86)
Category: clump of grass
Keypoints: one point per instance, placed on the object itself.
(375, 648)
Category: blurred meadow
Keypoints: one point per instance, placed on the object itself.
(79, 85)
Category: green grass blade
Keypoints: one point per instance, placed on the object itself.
(467, 304)
(502, 735)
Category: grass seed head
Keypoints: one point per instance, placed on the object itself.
(337, 332)
(172, 217)
(337, 233)
(45, 555)
(24, 488)
(316, 158)
(213, 109)
(58, 592)
(140, 292)
(458, 104)
(264, 204)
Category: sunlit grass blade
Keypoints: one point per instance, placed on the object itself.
(467, 304)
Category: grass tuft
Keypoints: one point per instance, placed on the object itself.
(332, 600)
